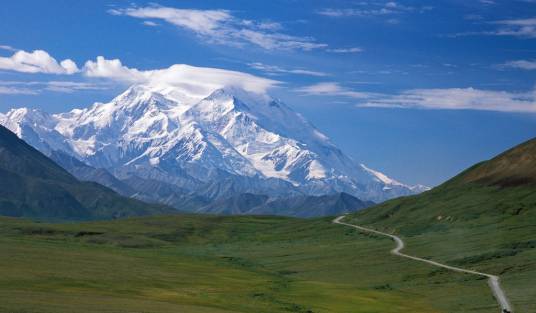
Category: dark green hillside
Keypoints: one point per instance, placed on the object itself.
(484, 218)
(31, 185)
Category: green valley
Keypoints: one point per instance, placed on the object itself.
(193, 263)
(483, 219)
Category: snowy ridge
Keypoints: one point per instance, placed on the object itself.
(227, 141)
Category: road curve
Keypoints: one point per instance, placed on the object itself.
(493, 281)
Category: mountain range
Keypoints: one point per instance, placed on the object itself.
(483, 220)
(168, 145)
(31, 185)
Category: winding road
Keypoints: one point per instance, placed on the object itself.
(493, 281)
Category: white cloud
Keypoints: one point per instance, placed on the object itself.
(457, 99)
(150, 23)
(8, 90)
(199, 21)
(520, 64)
(199, 81)
(274, 70)
(38, 61)
(7, 48)
(447, 99)
(354, 12)
(346, 50)
(332, 89)
(112, 69)
(524, 28)
(517, 27)
(69, 86)
(69, 67)
(221, 27)
(37, 87)
(270, 25)
(372, 9)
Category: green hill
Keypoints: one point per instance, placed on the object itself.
(515, 167)
(484, 219)
(31, 185)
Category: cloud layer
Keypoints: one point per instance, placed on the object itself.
(7, 48)
(346, 50)
(9, 90)
(522, 28)
(200, 81)
(275, 70)
(367, 9)
(37, 87)
(332, 89)
(521, 64)
(221, 27)
(446, 98)
(516, 27)
(457, 99)
(197, 80)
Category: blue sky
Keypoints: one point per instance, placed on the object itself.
(417, 89)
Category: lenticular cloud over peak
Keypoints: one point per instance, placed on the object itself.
(179, 75)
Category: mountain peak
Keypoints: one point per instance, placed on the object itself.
(218, 93)
(140, 94)
(21, 114)
(227, 138)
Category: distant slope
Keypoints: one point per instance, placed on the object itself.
(147, 190)
(312, 206)
(236, 205)
(155, 191)
(85, 172)
(297, 206)
(515, 167)
(484, 219)
(31, 185)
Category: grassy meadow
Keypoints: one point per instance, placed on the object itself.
(189, 263)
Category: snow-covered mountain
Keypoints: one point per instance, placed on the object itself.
(228, 142)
